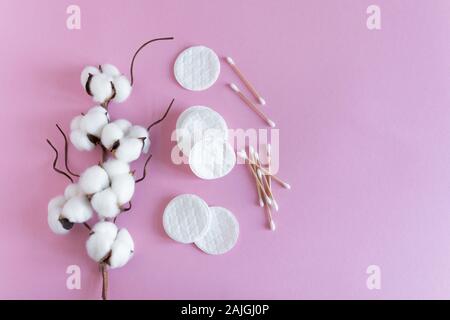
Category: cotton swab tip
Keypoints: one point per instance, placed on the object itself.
(286, 185)
(252, 150)
(271, 123)
(242, 154)
(260, 175)
(261, 101)
(234, 87)
(275, 205)
(261, 203)
(272, 225)
(268, 200)
(229, 60)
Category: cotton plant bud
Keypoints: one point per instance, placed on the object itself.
(105, 203)
(105, 83)
(140, 133)
(111, 134)
(77, 209)
(123, 186)
(93, 180)
(128, 150)
(115, 167)
(122, 249)
(101, 240)
(56, 222)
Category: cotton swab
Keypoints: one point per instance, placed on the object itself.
(245, 81)
(264, 181)
(261, 202)
(251, 105)
(263, 191)
(244, 156)
(269, 216)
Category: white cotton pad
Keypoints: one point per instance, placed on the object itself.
(197, 123)
(197, 68)
(222, 234)
(186, 218)
(212, 159)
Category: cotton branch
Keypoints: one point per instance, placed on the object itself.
(144, 171)
(163, 117)
(66, 151)
(56, 160)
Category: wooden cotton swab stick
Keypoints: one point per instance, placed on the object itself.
(251, 105)
(245, 81)
(263, 191)
(269, 216)
(244, 156)
(261, 202)
(265, 183)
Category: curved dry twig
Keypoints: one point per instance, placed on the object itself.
(163, 117)
(144, 170)
(56, 160)
(137, 51)
(66, 152)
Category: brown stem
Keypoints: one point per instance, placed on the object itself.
(163, 117)
(66, 151)
(87, 226)
(104, 269)
(56, 160)
(137, 51)
(123, 210)
(144, 171)
(104, 154)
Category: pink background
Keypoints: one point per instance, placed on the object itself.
(364, 131)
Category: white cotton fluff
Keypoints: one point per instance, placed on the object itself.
(129, 149)
(105, 203)
(94, 121)
(75, 123)
(77, 209)
(111, 133)
(101, 240)
(141, 133)
(72, 190)
(54, 213)
(101, 87)
(85, 74)
(93, 180)
(80, 140)
(110, 70)
(122, 249)
(123, 186)
(123, 124)
(123, 88)
(114, 167)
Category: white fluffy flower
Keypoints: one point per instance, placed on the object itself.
(105, 83)
(111, 133)
(129, 149)
(108, 244)
(105, 203)
(72, 190)
(122, 249)
(101, 240)
(86, 129)
(93, 180)
(140, 133)
(123, 124)
(54, 216)
(123, 187)
(114, 167)
(77, 209)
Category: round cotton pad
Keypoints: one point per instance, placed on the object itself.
(212, 159)
(186, 218)
(196, 123)
(197, 68)
(222, 234)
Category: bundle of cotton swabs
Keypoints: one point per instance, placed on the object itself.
(263, 177)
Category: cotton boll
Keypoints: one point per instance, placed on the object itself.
(114, 167)
(81, 141)
(141, 133)
(72, 190)
(56, 202)
(105, 203)
(110, 70)
(54, 222)
(123, 186)
(101, 88)
(93, 122)
(123, 124)
(85, 74)
(77, 209)
(93, 180)
(128, 150)
(122, 249)
(98, 109)
(75, 123)
(123, 89)
(101, 240)
(111, 133)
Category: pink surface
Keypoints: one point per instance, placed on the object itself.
(364, 141)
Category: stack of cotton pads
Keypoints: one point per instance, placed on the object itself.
(188, 219)
(202, 135)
